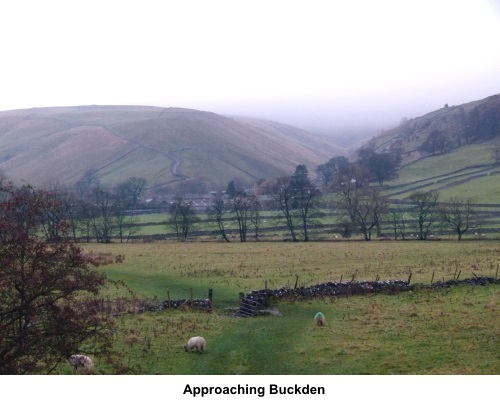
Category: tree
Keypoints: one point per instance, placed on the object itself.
(126, 225)
(218, 210)
(103, 214)
(183, 218)
(347, 185)
(235, 186)
(72, 211)
(328, 170)
(254, 217)
(48, 305)
(459, 215)
(363, 205)
(436, 143)
(129, 192)
(397, 216)
(231, 188)
(425, 211)
(52, 217)
(282, 196)
(379, 166)
(304, 196)
(368, 208)
(242, 204)
(85, 219)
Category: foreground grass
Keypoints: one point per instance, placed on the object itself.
(452, 331)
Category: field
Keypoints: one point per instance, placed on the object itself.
(446, 331)
(468, 172)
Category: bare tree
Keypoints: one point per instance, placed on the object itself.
(304, 198)
(282, 195)
(85, 213)
(71, 208)
(218, 210)
(348, 186)
(242, 204)
(425, 211)
(255, 208)
(103, 214)
(368, 205)
(397, 216)
(460, 216)
(126, 225)
(183, 218)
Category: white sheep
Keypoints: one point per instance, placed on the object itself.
(80, 360)
(320, 319)
(197, 342)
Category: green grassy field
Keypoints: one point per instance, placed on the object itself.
(442, 173)
(452, 331)
(272, 227)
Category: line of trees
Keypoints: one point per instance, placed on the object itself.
(96, 213)
(360, 207)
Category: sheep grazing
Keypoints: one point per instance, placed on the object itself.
(80, 360)
(197, 343)
(320, 319)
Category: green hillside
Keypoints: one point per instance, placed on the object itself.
(449, 150)
(467, 172)
(164, 145)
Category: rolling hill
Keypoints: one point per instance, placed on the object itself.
(449, 150)
(166, 146)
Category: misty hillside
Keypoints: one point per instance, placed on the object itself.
(450, 150)
(444, 130)
(166, 146)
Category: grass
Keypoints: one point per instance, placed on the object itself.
(242, 267)
(440, 332)
(424, 171)
(483, 189)
(453, 331)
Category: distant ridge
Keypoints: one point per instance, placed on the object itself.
(166, 146)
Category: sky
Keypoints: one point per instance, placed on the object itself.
(318, 65)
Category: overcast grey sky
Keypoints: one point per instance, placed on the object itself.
(307, 63)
